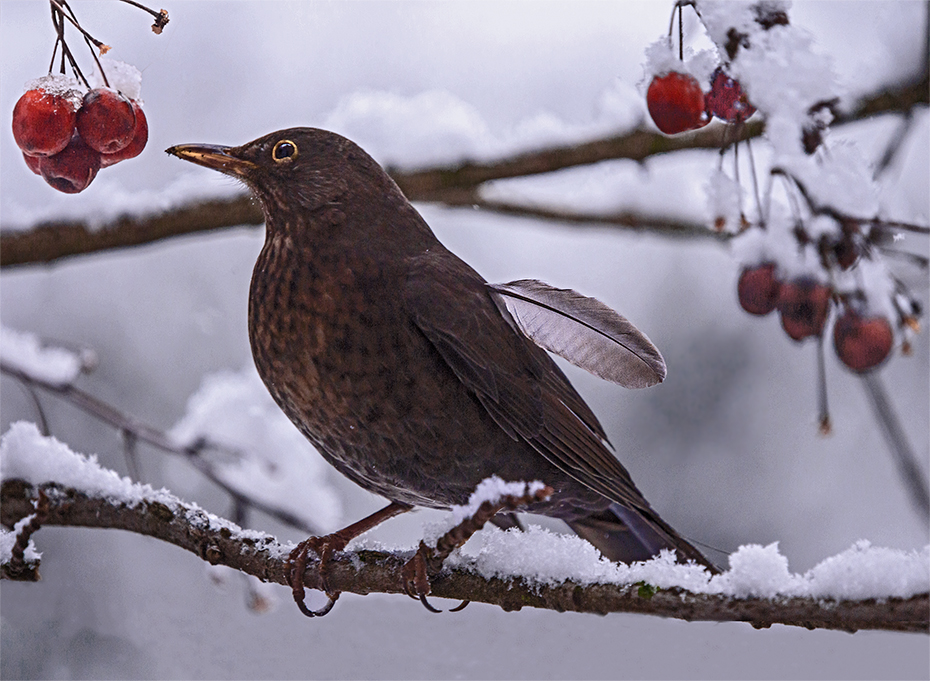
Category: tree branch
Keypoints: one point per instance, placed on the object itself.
(453, 186)
(136, 430)
(367, 571)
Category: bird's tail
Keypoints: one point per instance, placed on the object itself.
(626, 535)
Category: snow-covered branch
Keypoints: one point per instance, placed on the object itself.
(863, 588)
(452, 186)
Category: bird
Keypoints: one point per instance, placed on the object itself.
(410, 373)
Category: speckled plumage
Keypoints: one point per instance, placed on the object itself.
(389, 354)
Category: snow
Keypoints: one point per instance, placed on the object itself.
(435, 127)
(26, 454)
(270, 459)
(57, 84)
(840, 178)
(741, 464)
(122, 77)
(24, 351)
(726, 201)
(538, 555)
(116, 200)
(492, 490)
(8, 541)
(661, 57)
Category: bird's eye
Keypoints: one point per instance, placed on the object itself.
(284, 151)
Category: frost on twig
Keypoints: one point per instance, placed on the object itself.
(865, 587)
(233, 434)
(489, 498)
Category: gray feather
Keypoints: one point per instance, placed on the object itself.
(581, 330)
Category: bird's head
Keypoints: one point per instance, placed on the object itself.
(297, 168)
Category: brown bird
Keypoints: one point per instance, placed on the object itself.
(412, 375)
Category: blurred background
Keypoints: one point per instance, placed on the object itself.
(727, 449)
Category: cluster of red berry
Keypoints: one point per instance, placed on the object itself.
(862, 341)
(67, 138)
(677, 103)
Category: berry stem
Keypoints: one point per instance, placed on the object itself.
(68, 15)
(66, 56)
(755, 183)
(88, 38)
(823, 408)
(161, 17)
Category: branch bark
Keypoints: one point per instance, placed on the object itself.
(367, 571)
(451, 186)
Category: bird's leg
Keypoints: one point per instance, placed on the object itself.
(325, 548)
(428, 560)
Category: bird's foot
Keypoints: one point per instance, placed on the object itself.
(325, 548)
(428, 560)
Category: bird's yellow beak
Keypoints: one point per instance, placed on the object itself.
(212, 156)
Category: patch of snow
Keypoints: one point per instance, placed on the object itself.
(24, 351)
(8, 541)
(436, 127)
(124, 78)
(26, 454)
(541, 556)
(273, 461)
(493, 489)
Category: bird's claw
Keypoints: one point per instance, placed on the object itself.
(324, 548)
(416, 579)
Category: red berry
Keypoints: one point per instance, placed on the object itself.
(862, 343)
(676, 103)
(43, 122)
(758, 289)
(32, 162)
(803, 305)
(726, 99)
(136, 145)
(73, 169)
(106, 120)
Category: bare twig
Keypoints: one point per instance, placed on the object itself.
(904, 456)
(366, 571)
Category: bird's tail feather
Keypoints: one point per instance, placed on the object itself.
(625, 535)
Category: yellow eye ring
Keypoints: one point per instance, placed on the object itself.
(284, 151)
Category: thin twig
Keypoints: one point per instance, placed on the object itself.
(158, 439)
(904, 456)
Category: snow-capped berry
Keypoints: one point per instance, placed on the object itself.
(726, 99)
(106, 120)
(676, 103)
(72, 169)
(862, 342)
(758, 289)
(43, 122)
(803, 305)
(139, 138)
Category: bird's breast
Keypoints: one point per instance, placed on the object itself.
(328, 332)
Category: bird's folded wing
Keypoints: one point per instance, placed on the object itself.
(518, 384)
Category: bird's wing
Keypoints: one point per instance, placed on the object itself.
(518, 384)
